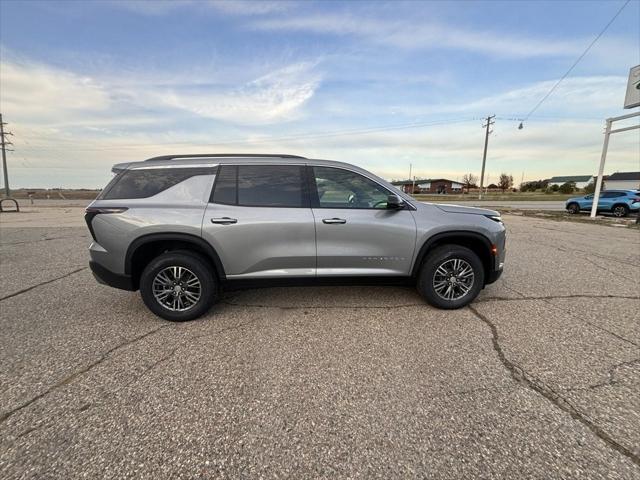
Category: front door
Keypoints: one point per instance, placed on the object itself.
(355, 232)
(260, 223)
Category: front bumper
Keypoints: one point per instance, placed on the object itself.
(107, 277)
(493, 276)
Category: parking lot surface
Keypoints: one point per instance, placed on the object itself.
(540, 378)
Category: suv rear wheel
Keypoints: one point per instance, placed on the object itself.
(620, 210)
(178, 286)
(451, 277)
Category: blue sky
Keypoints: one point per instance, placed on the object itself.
(88, 84)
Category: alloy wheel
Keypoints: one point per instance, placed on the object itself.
(619, 211)
(453, 279)
(176, 288)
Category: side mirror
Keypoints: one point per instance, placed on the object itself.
(394, 202)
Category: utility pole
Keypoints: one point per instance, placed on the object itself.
(490, 121)
(4, 142)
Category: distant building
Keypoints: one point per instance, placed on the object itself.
(623, 181)
(439, 185)
(581, 181)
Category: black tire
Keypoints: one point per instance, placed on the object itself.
(620, 210)
(194, 265)
(573, 208)
(439, 257)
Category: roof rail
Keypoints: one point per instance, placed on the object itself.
(222, 155)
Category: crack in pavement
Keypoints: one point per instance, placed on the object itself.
(532, 383)
(583, 254)
(594, 325)
(608, 270)
(611, 377)
(553, 297)
(74, 375)
(408, 305)
(111, 393)
(46, 239)
(24, 290)
(547, 300)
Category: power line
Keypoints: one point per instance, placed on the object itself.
(278, 139)
(577, 61)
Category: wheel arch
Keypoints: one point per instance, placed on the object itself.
(621, 204)
(474, 241)
(147, 247)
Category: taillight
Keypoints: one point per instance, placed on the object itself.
(635, 200)
(91, 212)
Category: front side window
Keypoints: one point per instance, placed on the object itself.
(144, 183)
(261, 186)
(339, 188)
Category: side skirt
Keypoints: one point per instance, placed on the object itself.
(244, 284)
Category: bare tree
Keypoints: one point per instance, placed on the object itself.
(469, 180)
(506, 182)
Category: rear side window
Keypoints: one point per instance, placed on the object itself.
(226, 189)
(261, 186)
(144, 183)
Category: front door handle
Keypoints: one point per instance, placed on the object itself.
(334, 220)
(224, 220)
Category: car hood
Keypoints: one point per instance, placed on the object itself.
(460, 209)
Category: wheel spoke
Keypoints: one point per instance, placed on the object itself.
(176, 288)
(453, 279)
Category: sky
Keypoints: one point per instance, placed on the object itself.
(383, 85)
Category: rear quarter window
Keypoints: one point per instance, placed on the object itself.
(144, 183)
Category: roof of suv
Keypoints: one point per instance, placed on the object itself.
(205, 159)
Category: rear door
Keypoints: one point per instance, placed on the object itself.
(607, 199)
(260, 222)
(355, 232)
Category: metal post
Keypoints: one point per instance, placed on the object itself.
(603, 158)
(7, 192)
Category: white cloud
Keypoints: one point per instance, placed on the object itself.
(250, 7)
(45, 95)
(417, 35)
(230, 7)
(66, 122)
(277, 96)
(40, 93)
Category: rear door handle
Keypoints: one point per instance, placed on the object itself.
(224, 220)
(334, 220)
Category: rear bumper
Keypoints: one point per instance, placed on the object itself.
(107, 277)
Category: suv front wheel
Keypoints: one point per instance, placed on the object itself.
(451, 277)
(178, 286)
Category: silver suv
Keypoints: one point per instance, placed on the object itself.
(181, 228)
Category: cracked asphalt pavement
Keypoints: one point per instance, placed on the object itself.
(539, 378)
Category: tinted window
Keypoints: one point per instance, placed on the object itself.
(149, 182)
(612, 194)
(226, 185)
(261, 186)
(339, 188)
